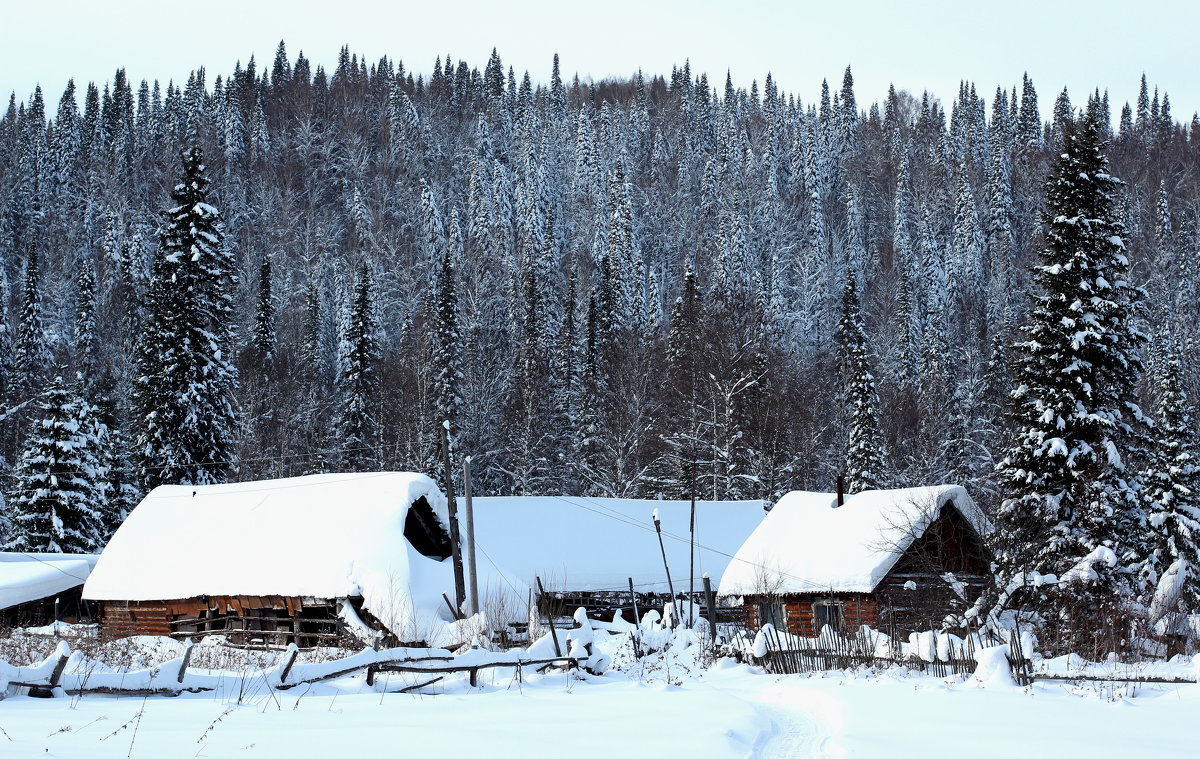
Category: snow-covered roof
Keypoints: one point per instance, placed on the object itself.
(576, 543)
(324, 536)
(806, 545)
(28, 577)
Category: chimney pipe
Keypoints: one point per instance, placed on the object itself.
(841, 491)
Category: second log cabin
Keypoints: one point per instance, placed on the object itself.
(898, 561)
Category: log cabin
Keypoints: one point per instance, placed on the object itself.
(898, 561)
(306, 560)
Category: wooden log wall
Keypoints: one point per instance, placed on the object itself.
(121, 620)
(858, 609)
(246, 619)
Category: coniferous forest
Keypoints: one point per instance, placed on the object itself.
(639, 287)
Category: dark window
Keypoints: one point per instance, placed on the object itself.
(827, 614)
(772, 614)
(424, 532)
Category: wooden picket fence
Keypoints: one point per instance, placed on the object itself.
(832, 652)
(785, 656)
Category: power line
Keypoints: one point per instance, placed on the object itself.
(600, 510)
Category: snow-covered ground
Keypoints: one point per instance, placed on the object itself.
(645, 708)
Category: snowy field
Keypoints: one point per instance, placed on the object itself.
(661, 707)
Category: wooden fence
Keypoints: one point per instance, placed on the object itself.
(284, 676)
(831, 652)
(792, 655)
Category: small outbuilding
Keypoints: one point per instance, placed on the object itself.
(39, 588)
(304, 560)
(896, 560)
(588, 551)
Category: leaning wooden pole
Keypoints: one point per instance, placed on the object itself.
(460, 593)
(670, 585)
(549, 616)
(472, 568)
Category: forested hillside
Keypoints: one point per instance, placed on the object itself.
(615, 288)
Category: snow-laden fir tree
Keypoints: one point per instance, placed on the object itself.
(1069, 508)
(358, 382)
(32, 354)
(1172, 497)
(263, 340)
(866, 466)
(185, 387)
(682, 426)
(85, 320)
(447, 346)
(60, 494)
(123, 492)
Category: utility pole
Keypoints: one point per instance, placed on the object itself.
(472, 573)
(670, 586)
(692, 550)
(455, 551)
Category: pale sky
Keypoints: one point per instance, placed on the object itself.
(919, 44)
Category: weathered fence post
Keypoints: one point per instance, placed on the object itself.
(187, 659)
(549, 617)
(637, 618)
(710, 601)
(637, 622)
(292, 651)
(64, 653)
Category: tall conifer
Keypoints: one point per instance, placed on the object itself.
(184, 391)
(1069, 508)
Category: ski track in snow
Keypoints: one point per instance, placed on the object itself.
(800, 727)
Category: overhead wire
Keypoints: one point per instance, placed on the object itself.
(603, 511)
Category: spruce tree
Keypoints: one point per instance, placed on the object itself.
(32, 354)
(358, 383)
(185, 387)
(263, 339)
(61, 488)
(684, 359)
(1172, 498)
(866, 468)
(85, 321)
(447, 349)
(1068, 503)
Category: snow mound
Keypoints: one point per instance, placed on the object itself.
(993, 666)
